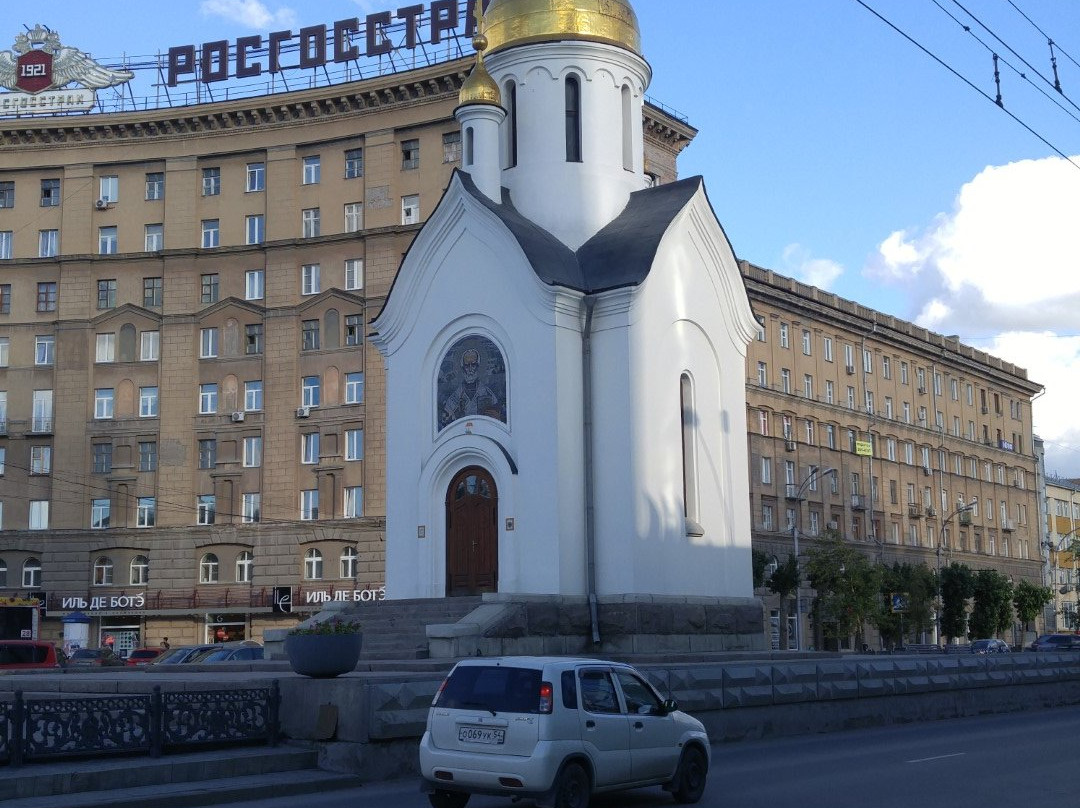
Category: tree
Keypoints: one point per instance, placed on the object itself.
(1029, 599)
(917, 584)
(957, 585)
(848, 588)
(785, 582)
(760, 561)
(991, 609)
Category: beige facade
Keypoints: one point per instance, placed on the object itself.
(1062, 537)
(915, 424)
(191, 415)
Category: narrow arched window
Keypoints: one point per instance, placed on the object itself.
(469, 148)
(103, 571)
(689, 455)
(244, 563)
(139, 571)
(510, 97)
(209, 569)
(627, 130)
(349, 558)
(573, 119)
(313, 565)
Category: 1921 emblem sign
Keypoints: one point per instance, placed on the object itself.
(34, 71)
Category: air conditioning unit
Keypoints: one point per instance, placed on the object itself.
(831, 525)
(850, 370)
(101, 204)
(789, 445)
(303, 412)
(237, 417)
(926, 471)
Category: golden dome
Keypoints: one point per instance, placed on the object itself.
(521, 22)
(479, 88)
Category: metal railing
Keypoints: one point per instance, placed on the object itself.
(42, 729)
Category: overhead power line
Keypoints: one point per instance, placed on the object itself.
(1049, 39)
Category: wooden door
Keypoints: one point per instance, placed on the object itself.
(472, 536)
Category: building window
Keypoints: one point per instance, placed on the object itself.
(39, 515)
(146, 513)
(40, 459)
(211, 234)
(148, 455)
(254, 229)
(806, 342)
(354, 388)
(354, 444)
(354, 163)
(206, 509)
(99, 518)
(109, 188)
(208, 565)
(50, 193)
(253, 395)
(44, 350)
(48, 243)
(211, 181)
(353, 504)
(208, 396)
(252, 452)
(410, 154)
(207, 453)
(5, 298)
(210, 288)
(153, 291)
(105, 349)
(354, 217)
(354, 274)
(5, 352)
(244, 565)
(313, 565)
(149, 346)
(354, 325)
(451, 144)
(309, 391)
(256, 177)
(42, 408)
(309, 448)
(31, 576)
(309, 507)
(309, 335)
(101, 457)
(253, 339)
(208, 343)
(410, 209)
(155, 186)
(103, 403)
(154, 238)
(7, 238)
(311, 223)
(103, 571)
(254, 284)
(7, 194)
(309, 279)
(139, 571)
(312, 170)
(250, 507)
(106, 294)
(511, 143)
(148, 402)
(784, 336)
(348, 562)
(573, 119)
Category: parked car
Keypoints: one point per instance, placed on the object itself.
(93, 658)
(557, 730)
(181, 654)
(30, 654)
(992, 646)
(1057, 642)
(143, 656)
(241, 651)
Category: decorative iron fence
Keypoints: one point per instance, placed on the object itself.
(39, 729)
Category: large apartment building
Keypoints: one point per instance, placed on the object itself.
(191, 421)
(912, 445)
(1062, 539)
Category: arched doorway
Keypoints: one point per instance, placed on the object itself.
(472, 535)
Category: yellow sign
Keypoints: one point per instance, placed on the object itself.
(864, 448)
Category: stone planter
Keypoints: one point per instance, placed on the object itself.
(323, 655)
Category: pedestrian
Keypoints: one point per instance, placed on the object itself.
(165, 643)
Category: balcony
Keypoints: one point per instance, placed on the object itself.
(41, 425)
(791, 491)
(914, 512)
(1008, 526)
(858, 502)
(964, 518)
(931, 511)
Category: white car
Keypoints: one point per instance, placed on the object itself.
(556, 730)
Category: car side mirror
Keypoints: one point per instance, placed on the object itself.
(669, 706)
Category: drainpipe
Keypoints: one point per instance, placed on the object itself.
(587, 434)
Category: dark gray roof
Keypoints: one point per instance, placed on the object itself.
(619, 255)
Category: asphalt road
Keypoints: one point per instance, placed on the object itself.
(1001, 760)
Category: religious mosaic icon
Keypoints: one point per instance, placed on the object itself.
(472, 382)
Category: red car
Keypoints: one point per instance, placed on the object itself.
(141, 656)
(29, 654)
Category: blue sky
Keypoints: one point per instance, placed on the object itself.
(833, 149)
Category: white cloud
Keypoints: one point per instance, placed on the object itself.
(251, 13)
(819, 272)
(1002, 270)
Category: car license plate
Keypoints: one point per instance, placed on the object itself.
(481, 735)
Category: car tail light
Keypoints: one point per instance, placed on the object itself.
(439, 692)
(545, 697)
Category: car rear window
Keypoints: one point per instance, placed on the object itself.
(492, 687)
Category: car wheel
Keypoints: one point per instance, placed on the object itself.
(690, 776)
(448, 799)
(572, 788)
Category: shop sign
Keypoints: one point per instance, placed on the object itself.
(346, 596)
(97, 604)
(39, 70)
(211, 60)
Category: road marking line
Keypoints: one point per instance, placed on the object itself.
(939, 757)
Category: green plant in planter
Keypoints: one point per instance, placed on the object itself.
(325, 649)
(335, 625)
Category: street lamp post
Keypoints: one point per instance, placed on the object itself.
(941, 541)
(810, 478)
